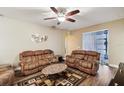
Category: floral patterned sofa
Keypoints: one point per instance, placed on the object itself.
(34, 61)
(86, 61)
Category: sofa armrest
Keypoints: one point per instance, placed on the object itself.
(55, 58)
(95, 65)
(7, 77)
(5, 66)
(68, 56)
(22, 66)
(21, 63)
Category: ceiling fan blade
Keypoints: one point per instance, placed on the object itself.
(71, 20)
(72, 13)
(54, 10)
(49, 18)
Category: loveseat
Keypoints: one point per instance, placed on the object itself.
(34, 61)
(86, 61)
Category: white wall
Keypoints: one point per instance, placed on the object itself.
(15, 37)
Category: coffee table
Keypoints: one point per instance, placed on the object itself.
(54, 69)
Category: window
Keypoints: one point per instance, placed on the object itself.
(96, 41)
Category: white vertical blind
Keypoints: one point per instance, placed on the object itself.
(89, 41)
(96, 41)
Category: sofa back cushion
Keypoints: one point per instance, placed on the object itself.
(79, 56)
(95, 55)
(33, 56)
(48, 51)
(90, 58)
(86, 55)
(26, 54)
(78, 52)
(26, 59)
(38, 52)
(29, 59)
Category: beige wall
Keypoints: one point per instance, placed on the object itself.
(116, 39)
(15, 37)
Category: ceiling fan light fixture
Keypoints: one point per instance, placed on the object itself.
(61, 19)
(62, 16)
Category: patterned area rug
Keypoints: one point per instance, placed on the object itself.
(70, 77)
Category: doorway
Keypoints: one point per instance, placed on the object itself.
(97, 41)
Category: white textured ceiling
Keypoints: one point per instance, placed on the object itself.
(88, 15)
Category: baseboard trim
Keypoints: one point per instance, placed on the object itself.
(112, 65)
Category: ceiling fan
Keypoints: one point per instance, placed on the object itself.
(61, 16)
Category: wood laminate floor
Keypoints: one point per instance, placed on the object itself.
(103, 77)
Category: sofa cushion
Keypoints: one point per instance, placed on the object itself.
(43, 62)
(27, 53)
(78, 52)
(48, 51)
(35, 58)
(27, 59)
(90, 58)
(38, 52)
(30, 65)
(79, 56)
(85, 57)
(40, 57)
(95, 58)
(27, 72)
(30, 59)
(70, 59)
(92, 53)
(85, 64)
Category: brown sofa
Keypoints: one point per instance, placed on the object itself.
(87, 61)
(6, 75)
(34, 61)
